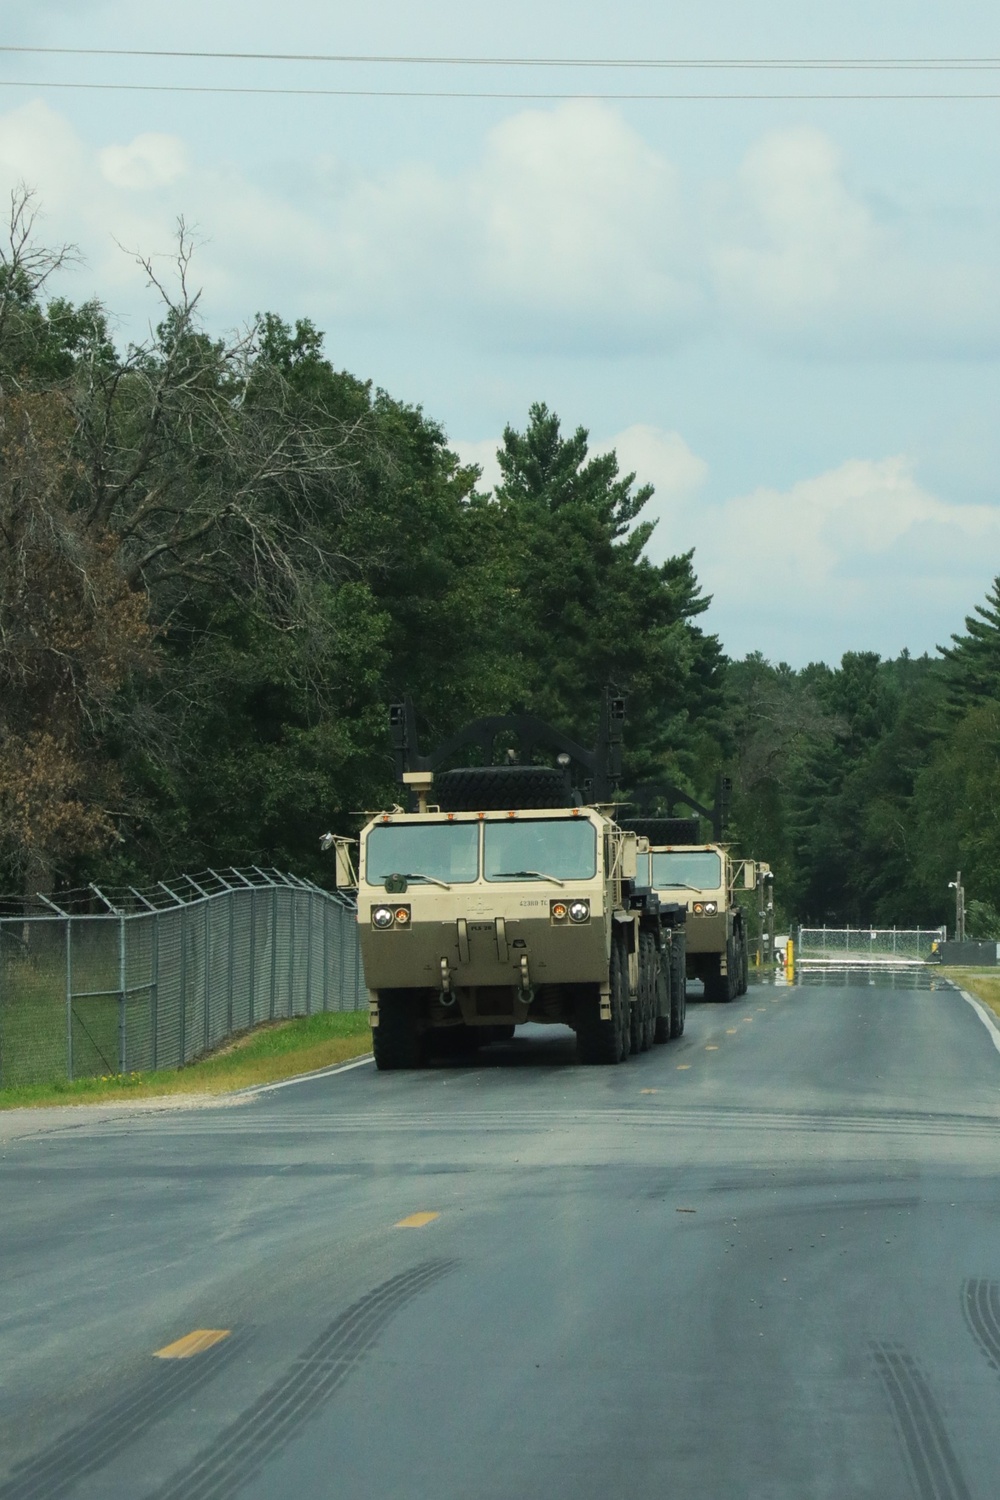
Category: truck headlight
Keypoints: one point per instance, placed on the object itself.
(381, 916)
(705, 908)
(579, 911)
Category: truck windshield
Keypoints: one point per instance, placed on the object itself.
(442, 851)
(540, 848)
(698, 869)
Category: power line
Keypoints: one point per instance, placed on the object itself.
(208, 88)
(874, 64)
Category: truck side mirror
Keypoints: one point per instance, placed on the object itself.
(630, 862)
(344, 877)
(749, 875)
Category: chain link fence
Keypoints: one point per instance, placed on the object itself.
(98, 982)
(866, 946)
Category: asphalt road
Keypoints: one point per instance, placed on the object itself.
(758, 1263)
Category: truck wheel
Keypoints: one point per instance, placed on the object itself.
(650, 971)
(399, 1040)
(733, 967)
(744, 965)
(718, 986)
(662, 1029)
(638, 1011)
(678, 1000)
(601, 1042)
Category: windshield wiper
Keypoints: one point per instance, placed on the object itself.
(678, 885)
(525, 875)
(419, 875)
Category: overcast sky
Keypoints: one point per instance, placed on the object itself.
(784, 314)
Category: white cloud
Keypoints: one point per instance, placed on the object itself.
(662, 459)
(800, 259)
(859, 557)
(567, 232)
(149, 161)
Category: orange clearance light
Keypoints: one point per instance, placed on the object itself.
(480, 815)
(512, 815)
(559, 910)
(386, 818)
(451, 817)
(402, 915)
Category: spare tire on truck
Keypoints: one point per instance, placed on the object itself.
(501, 788)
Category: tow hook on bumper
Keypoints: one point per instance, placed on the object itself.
(447, 998)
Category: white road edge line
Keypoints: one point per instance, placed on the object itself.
(287, 1083)
(984, 1015)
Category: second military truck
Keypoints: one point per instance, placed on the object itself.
(705, 878)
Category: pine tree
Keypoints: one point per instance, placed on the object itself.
(973, 661)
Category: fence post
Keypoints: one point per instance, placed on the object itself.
(326, 955)
(274, 947)
(69, 998)
(184, 998)
(208, 974)
(309, 953)
(154, 989)
(231, 898)
(122, 1021)
(291, 953)
(253, 952)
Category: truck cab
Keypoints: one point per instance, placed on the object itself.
(704, 878)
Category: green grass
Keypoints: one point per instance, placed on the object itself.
(984, 985)
(270, 1052)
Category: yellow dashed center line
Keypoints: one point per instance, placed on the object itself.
(731, 1030)
(711, 1047)
(192, 1343)
(682, 1066)
(416, 1221)
(649, 1091)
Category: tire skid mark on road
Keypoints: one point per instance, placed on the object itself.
(920, 1424)
(92, 1445)
(981, 1306)
(266, 1427)
(642, 1117)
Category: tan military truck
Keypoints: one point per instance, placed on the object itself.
(705, 877)
(500, 899)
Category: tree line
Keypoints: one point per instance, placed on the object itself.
(222, 559)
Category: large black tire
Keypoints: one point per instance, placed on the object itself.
(743, 971)
(721, 987)
(400, 1038)
(603, 1042)
(665, 979)
(637, 1010)
(649, 1002)
(678, 993)
(501, 788)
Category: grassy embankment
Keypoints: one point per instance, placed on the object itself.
(270, 1052)
(983, 983)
